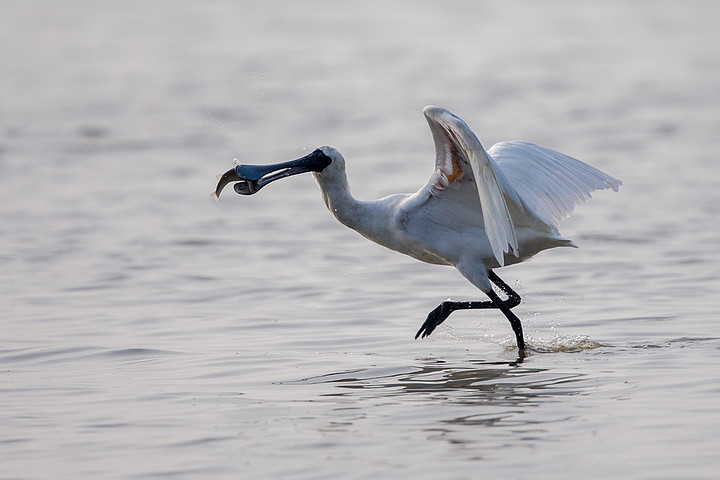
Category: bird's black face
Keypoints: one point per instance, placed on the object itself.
(251, 178)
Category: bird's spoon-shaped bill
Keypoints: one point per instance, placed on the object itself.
(251, 178)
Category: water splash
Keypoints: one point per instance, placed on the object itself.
(556, 344)
(563, 343)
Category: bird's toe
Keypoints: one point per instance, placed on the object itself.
(434, 318)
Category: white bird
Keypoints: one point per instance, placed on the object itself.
(480, 209)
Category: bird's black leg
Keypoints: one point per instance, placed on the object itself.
(442, 311)
(514, 320)
(513, 297)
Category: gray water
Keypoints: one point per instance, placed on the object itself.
(148, 333)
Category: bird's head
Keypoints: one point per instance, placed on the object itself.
(335, 170)
(324, 162)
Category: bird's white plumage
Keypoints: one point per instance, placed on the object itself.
(550, 184)
(498, 223)
(517, 183)
(459, 156)
(479, 210)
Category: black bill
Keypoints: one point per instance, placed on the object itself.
(251, 178)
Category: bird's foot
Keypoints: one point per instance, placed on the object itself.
(435, 318)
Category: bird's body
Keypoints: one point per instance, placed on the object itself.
(480, 209)
(439, 232)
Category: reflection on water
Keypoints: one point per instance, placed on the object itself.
(507, 384)
(469, 410)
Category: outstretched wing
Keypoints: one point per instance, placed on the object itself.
(550, 184)
(463, 169)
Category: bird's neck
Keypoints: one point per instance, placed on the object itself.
(374, 219)
(358, 215)
(339, 201)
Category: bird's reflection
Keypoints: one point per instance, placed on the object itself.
(509, 383)
(451, 401)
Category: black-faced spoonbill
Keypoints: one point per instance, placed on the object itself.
(480, 209)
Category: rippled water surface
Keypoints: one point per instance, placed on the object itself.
(148, 333)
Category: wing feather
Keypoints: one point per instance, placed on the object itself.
(550, 183)
(456, 146)
(527, 179)
(498, 222)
